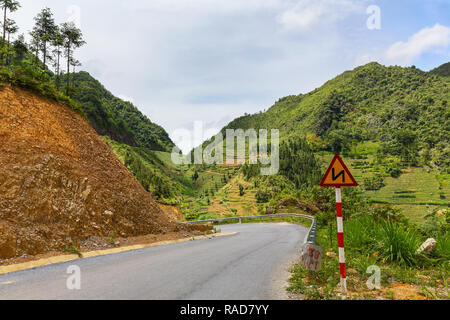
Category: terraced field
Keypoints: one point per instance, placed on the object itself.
(417, 191)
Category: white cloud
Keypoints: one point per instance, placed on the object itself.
(308, 13)
(180, 61)
(427, 39)
(203, 5)
(434, 39)
(364, 59)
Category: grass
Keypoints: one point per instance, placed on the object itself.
(74, 250)
(416, 182)
(416, 192)
(398, 244)
(389, 245)
(112, 238)
(443, 246)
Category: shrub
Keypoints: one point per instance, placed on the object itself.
(262, 197)
(394, 170)
(374, 183)
(387, 212)
(241, 190)
(323, 218)
(398, 244)
(436, 224)
(443, 246)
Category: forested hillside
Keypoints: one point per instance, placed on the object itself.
(115, 118)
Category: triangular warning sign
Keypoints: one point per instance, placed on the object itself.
(338, 175)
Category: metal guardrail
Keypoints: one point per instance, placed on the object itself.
(310, 237)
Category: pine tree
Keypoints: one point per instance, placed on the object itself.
(73, 39)
(11, 28)
(45, 28)
(35, 46)
(20, 45)
(57, 43)
(11, 6)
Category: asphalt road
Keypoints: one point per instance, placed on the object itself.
(252, 264)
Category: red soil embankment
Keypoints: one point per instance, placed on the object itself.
(61, 184)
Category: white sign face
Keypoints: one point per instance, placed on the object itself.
(312, 257)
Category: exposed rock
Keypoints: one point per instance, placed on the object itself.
(428, 246)
(108, 213)
(85, 194)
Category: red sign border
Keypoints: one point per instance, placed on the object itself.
(338, 158)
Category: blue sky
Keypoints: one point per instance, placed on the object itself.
(182, 61)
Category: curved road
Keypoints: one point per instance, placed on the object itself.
(252, 264)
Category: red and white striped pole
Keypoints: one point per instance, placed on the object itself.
(340, 230)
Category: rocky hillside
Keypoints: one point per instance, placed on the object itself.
(61, 184)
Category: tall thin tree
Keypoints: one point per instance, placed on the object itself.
(73, 39)
(58, 44)
(35, 46)
(11, 28)
(45, 28)
(11, 6)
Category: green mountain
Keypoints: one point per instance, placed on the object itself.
(443, 70)
(113, 117)
(405, 110)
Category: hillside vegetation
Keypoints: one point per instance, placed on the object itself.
(113, 117)
(443, 70)
(405, 109)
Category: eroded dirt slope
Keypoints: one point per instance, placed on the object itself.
(60, 183)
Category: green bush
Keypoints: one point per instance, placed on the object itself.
(262, 197)
(398, 244)
(387, 212)
(394, 169)
(436, 224)
(443, 246)
(324, 218)
(374, 183)
(241, 190)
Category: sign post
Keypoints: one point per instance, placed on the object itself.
(339, 176)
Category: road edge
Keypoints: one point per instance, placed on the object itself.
(66, 258)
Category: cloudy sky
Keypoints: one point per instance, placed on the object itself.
(181, 61)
